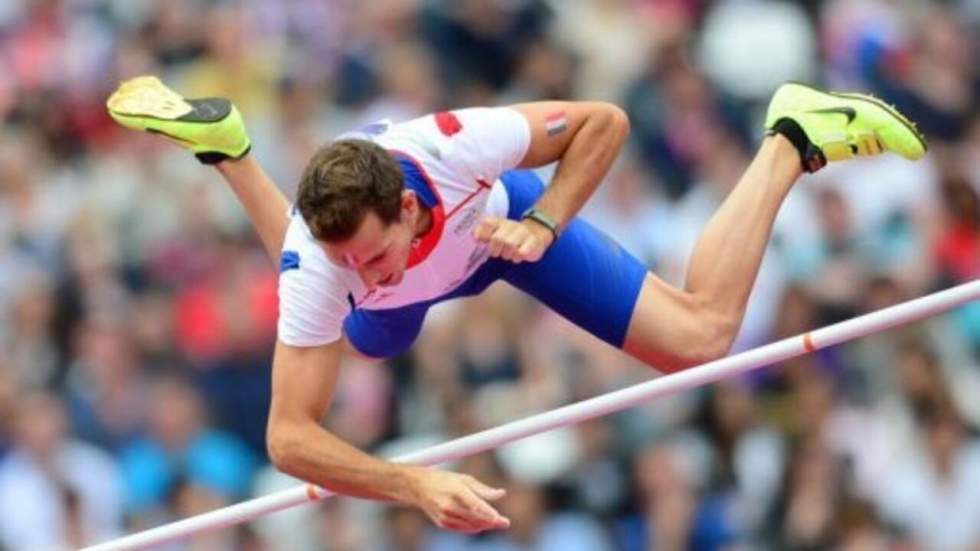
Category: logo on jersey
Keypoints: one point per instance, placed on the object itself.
(469, 218)
(288, 261)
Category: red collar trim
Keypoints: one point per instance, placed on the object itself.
(423, 246)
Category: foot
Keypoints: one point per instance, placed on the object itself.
(211, 127)
(838, 126)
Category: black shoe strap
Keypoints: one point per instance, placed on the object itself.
(811, 158)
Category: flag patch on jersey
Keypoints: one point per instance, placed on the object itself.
(288, 261)
(448, 123)
(556, 123)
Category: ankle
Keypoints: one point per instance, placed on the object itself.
(810, 157)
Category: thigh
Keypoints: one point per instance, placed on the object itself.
(585, 276)
(671, 329)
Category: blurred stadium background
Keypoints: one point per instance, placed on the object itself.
(138, 311)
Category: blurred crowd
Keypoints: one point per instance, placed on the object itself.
(138, 311)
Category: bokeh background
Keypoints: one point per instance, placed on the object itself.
(137, 309)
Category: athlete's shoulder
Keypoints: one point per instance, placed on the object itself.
(313, 292)
(468, 136)
(418, 137)
(303, 256)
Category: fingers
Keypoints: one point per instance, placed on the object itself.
(509, 240)
(464, 525)
(530, 251)
(459, 502)
(486, 228)
(465, 508)
(469, 514)
(484, 491)
(498, 234)
(479, 513)
(477, 502)
(483, 510)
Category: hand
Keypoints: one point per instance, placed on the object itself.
(524, 241)
(458, 502)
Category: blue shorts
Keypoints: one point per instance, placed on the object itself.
(585, 276)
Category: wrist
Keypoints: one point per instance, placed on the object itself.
(534, 217)
(542, 233)
(410, 483)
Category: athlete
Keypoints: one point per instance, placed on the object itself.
(393, 218)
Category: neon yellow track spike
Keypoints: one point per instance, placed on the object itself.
(842, 125)
(210, 127)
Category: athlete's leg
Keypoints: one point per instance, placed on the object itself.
(591, 281)
(602, 289)
(265, 205)
(213, 129)
(672, 328)
(675, 328)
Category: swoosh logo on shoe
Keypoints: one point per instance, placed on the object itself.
(849, 112)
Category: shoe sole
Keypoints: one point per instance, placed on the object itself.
(909, 125)
(156, 102)
(148, 98)
(205, 110)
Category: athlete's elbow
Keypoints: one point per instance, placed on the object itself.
(283, 445)
(617, 121)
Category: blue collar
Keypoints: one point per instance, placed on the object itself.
(417, 180)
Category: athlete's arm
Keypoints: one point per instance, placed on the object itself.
(584, 137)
(303, 381)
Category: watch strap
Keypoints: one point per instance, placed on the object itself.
(543, 219)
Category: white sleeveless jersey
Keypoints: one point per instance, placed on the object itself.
(461, 154)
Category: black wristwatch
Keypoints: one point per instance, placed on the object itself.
(543, 219)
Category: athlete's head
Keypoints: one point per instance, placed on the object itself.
(353, 198)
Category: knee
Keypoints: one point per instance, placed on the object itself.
(716, 339)
(712, 339)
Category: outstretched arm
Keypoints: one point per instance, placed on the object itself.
(303, 380)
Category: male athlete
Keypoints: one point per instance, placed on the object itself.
(396, 217)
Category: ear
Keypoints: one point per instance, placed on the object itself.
(410, 201)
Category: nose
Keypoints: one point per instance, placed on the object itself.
(370, 277)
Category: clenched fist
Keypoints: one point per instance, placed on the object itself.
(516, 241)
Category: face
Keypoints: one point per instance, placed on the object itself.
(379, 253)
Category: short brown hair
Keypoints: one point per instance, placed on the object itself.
(343, 182)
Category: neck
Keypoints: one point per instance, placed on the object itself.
(424, 221)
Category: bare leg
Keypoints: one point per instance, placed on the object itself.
(266, 207)
(672, 328)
